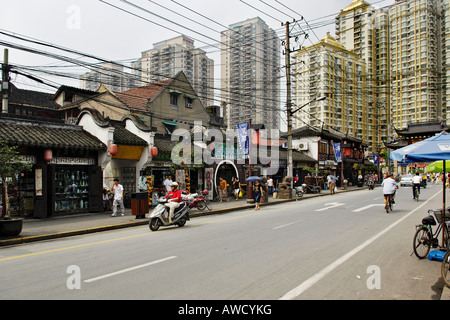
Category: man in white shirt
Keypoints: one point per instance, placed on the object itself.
(416, 181)
(389, 187)
(168, 184)
(118, 197)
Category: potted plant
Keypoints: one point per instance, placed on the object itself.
(11, 163)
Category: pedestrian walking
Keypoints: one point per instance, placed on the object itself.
(118, 197)
(257, 193)
(270, 185)
(223, 189)
(168, 184)
(236, 188)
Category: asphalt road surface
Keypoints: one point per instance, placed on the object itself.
(342, 246)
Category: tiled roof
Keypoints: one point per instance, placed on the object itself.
(40, 134)
(32, 98)
(124, 137)
(138, 98)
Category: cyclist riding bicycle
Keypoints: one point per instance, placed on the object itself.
(389, 187)
(416, 181)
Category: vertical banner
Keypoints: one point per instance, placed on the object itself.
(243, 137)
(209, 174)
(337, 151)
(375, 158)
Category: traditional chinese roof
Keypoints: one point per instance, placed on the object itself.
(31, 98)
(422, 130)
(42, 134)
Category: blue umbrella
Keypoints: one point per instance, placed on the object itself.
(431, 149)
(253, 179)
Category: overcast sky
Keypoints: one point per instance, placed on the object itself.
(94, 27)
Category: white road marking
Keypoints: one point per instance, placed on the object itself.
(294, 293)
(369, 206)
(129, 269)
(286, 225)
(331, 205)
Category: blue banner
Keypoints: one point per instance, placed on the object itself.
(375, 158)
(337, 151)
(243, 137)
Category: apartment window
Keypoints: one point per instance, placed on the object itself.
(174, 100)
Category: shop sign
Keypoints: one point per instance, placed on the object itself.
(73, 161)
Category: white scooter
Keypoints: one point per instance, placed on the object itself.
(160, 215)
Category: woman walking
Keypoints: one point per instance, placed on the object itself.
(257, 192)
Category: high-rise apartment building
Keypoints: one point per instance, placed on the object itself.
(110, 74)
(419, 32)
(407, 77)
(327, 68)
(250, 74)
(169, 57)
(364, 30)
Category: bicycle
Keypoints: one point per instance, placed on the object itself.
(389, 203)
(445, 268)
(424, 237)
(415, 192)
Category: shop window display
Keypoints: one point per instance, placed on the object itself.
(71, 189)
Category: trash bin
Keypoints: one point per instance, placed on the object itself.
(139, 204)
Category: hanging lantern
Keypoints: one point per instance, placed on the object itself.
(48, 155)
(113, 149)
(256, 138)
(154, 152)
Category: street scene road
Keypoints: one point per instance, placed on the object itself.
(342, 246)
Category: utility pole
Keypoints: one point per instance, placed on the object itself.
(290, 164)
(5, 82)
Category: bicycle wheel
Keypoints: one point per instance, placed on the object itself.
(422, 242)
(388, 204)
(445, 269)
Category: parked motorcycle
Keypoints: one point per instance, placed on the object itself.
(160, 215)
(199, 201)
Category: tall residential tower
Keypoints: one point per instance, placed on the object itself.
(250, 73)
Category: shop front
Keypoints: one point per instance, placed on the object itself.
(65, 177)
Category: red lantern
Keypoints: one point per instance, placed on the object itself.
(154, 152)
(113, 149)
(48, 155)
(256, 138)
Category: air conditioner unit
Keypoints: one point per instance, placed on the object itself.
(302, 146)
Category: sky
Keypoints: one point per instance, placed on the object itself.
(96, 27)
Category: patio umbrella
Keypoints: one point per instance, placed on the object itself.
(437, 166)
(431, 149)
(253, 179)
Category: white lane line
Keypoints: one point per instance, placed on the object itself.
(330, 206)
(294, 293)
(286, 225)
(369, 206)
(129, 269)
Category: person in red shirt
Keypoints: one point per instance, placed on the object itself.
(175, 196)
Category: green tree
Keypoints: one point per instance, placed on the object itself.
(11, 163)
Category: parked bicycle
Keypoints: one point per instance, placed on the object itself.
(425, 238)
(304, 188)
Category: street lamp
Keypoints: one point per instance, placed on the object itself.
(290, 171)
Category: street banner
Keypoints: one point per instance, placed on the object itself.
(243, 137)
(337, 151)
(375, 159)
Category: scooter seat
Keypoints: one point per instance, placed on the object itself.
(182, 205)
